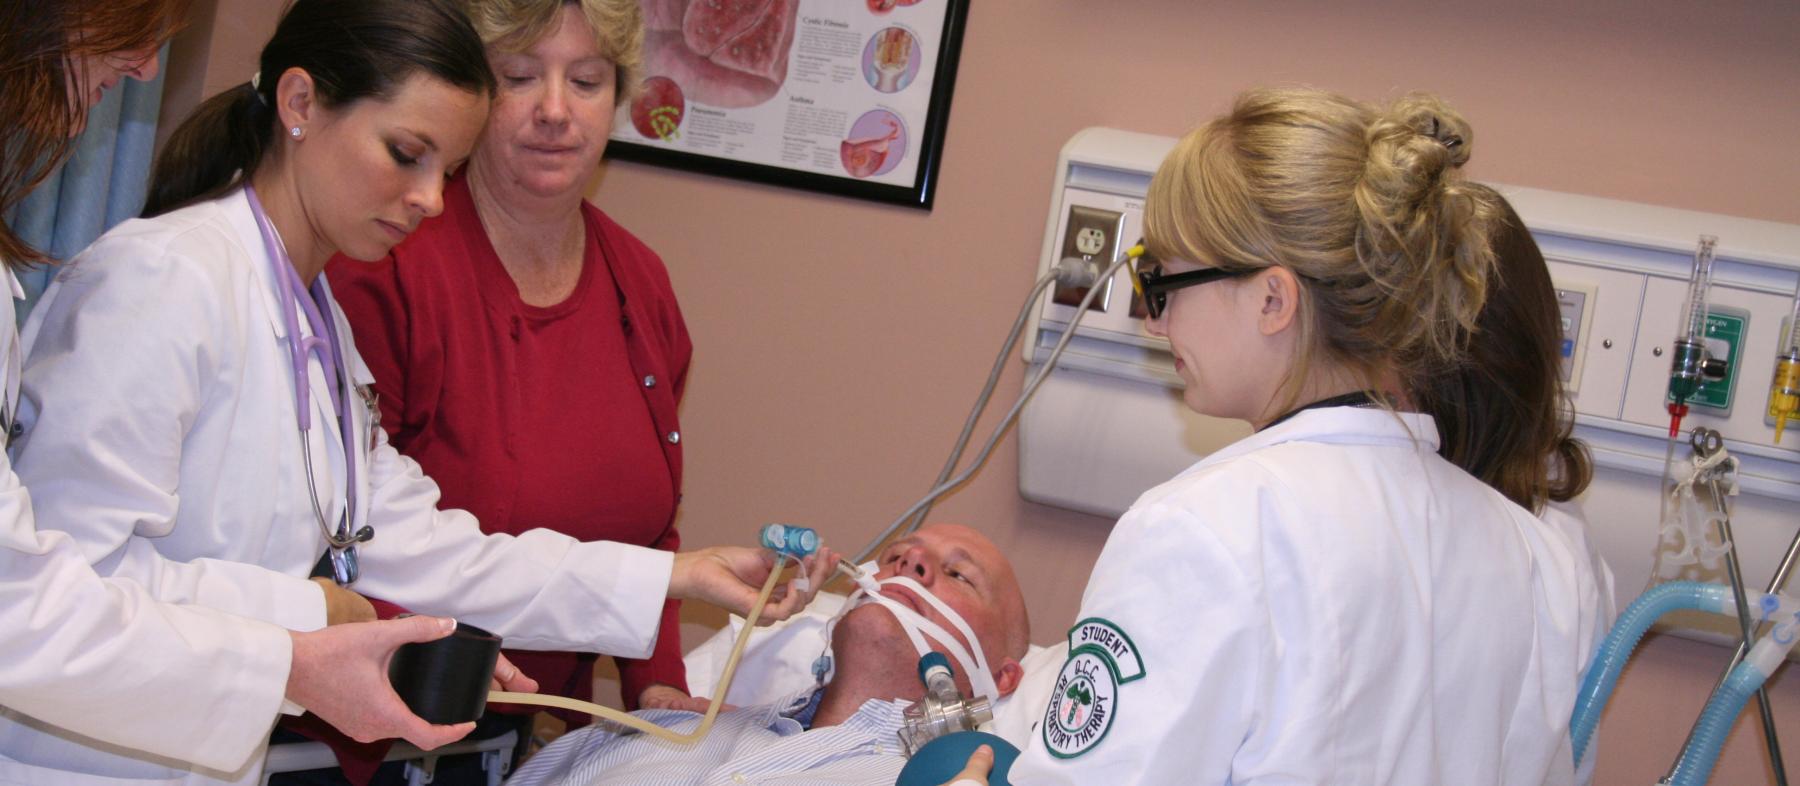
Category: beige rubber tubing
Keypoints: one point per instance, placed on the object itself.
(712, 710)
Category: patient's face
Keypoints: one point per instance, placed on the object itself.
(969, 574)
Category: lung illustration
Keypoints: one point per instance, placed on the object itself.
(724, 53)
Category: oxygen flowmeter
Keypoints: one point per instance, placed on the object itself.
(1784, 389)
(1691, 365)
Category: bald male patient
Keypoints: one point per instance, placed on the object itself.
(845, 732)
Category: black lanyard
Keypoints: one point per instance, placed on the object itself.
(1360, 398)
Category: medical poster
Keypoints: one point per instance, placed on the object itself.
(844, 96)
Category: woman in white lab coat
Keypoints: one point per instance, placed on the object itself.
(161, 427)
(1504, 415)
(76, 647)
(1327, 600)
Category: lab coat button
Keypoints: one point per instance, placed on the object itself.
(650, 380)
(674, 437)
(738, 777)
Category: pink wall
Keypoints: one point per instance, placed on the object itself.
(839, 343)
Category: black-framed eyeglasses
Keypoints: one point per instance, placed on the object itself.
(1154, 286)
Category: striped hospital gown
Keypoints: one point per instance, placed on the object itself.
(752, 745)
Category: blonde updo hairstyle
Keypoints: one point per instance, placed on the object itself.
(515, 25)
(1364, 205)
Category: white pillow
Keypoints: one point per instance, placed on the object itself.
(1017, 716)
(778, 662)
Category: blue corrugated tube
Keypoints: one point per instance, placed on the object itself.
(1609, 661)
(1696, 763)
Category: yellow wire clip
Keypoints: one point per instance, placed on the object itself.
(1134, 254)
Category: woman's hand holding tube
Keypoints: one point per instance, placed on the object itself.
(739, 579)
(508, 677)
(731, 577)
(342, 605)
(340, 673)
(664, 697)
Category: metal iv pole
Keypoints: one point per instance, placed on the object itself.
(1706, 443)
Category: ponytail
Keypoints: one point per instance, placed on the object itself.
(213, 150)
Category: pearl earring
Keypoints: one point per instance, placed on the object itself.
(294, 132)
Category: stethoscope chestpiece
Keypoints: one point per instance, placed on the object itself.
(446, 680)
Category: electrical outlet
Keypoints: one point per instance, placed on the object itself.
(1090, 233)
(1090, 241)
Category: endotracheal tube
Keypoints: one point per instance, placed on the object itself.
(1784, 390)
(1688, 366)
(942, 710)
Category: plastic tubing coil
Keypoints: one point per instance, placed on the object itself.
(1609, 661)
(1702, 752)
(1696, 763)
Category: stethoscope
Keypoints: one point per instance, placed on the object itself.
(323, 343)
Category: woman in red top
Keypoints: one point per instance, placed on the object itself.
(528, 351)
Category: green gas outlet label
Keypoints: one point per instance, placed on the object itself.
(1724, 340)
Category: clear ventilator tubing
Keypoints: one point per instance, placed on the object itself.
(1784, 390)
(1702, 751)
(1070, 272)
(712, 710)
(1688, 355)
(1007, 420)
(1609, 660)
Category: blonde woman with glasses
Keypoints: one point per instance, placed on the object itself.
(1327, 600)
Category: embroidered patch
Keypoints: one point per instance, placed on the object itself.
(1083, 705)
(1101, 635)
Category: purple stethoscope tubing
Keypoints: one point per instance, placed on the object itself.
(323, 344)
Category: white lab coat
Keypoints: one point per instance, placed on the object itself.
(1329, 601)
(1595, 620)
(101, 657)
(160, 432)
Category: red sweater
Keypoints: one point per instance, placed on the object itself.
(561, 417)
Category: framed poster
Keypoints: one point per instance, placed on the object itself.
(847, 97)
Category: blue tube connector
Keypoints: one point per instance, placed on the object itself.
(790, 540)
(929, 661)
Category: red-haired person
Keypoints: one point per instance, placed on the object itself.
(99, 657)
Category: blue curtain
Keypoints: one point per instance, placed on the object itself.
(102, 183)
